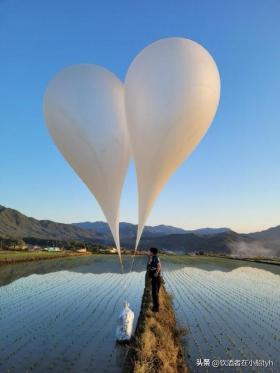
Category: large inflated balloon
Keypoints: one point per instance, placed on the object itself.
(172, 90)
(85, 114)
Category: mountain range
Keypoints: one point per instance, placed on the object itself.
(13, 224)
(151, 231)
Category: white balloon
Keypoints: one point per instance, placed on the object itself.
(172, 90)
(85, 114)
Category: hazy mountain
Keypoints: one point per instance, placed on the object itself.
(97, 226)
(210, 231)
(128, 229)
(268, 234)
(268, 238)
(190, 242)
(13, 224)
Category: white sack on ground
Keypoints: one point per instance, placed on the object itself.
(125, 324)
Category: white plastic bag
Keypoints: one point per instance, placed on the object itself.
(125, 324)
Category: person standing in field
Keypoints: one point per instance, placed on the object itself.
(154, 270)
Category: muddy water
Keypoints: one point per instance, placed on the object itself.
(60, 316)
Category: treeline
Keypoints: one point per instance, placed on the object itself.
(9, 243)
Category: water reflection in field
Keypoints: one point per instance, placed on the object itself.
(231, 309)
(60, 315)
(65, 320)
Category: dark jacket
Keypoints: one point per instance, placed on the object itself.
(153, 265)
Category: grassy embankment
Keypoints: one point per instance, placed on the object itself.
(156, 346)
(11, 257)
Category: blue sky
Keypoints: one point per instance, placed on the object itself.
(232, 179)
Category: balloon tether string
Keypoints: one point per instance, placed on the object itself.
(131, 268)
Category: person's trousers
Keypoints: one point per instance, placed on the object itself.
(155, 291)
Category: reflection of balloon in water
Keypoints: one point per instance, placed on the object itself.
(172, 91)
(84, 111)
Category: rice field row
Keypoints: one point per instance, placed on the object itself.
(65, 321)
(230, 315)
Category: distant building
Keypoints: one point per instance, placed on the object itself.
(34, 248)
(52, 249)
(169, 252)
(20, 247)
(191, 253)
(82, 250)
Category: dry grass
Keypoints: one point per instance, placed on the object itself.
(157, 343)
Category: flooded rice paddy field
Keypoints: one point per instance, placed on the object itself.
(60, 315)
(65, 321)
(230, 308)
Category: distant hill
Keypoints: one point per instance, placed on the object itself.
(268, 238)
(268, 234)
(209, 231)
(129, 230)
(13, 224)
(189, 242)
(157, 230)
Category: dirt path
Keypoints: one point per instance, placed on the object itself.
(156, 346)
